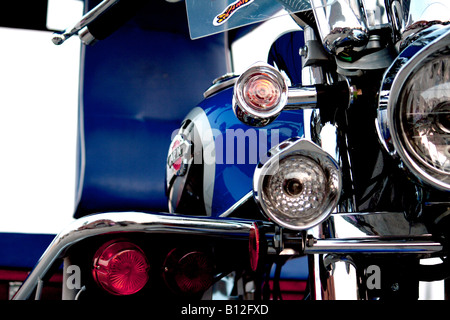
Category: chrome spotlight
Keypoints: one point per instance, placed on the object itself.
(414, 109)
(260, 94)
(298, 186)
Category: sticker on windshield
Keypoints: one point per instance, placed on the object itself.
(230, 10)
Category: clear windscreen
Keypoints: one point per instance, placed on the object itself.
(208, 17)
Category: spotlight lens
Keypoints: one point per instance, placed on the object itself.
(297, 188)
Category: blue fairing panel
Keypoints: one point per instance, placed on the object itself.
(137, 86)
(239, 147)
(22, 250)
(235, 167)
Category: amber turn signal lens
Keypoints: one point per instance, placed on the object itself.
(260, 94)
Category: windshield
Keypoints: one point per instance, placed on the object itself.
(208, 17)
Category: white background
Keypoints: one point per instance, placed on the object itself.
(38, 119)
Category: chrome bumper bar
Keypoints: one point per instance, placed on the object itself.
(154, 223)
(127, 222)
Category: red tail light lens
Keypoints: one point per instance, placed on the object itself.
(190, 273)
(121, 268)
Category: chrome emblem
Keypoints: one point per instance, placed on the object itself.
(179, 155)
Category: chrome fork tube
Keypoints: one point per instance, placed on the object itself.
(331, 277)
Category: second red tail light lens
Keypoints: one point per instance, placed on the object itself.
(189, 273)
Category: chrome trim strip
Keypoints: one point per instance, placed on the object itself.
(201, 122)
(240, 202)
(220, 84)
(422, 245)
(81, 166)
(125, 222)
(301, 98)
(369, 224)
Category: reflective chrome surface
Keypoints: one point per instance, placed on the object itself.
(238, 203)
(376, 245)
(375, 224)
(60, 38)
(410, 17)
(335, 246)
(388, 126)
(301, 98)
(342, 25)
(331, 280)
(382, 232)
(126, 222)
(86, 37)
(221, 83)
(375, 14)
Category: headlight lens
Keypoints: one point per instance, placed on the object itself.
(425, 114)
(413, 118)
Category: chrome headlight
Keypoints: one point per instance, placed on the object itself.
(298, 186)
(414, 108)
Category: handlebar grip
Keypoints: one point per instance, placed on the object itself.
(114, 18)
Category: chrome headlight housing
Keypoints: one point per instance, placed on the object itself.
(414, 108)
(298, 186)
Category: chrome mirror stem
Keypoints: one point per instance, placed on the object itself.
(102, 7)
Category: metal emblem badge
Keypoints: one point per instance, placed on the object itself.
(179, 155)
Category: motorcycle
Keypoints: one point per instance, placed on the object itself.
(346, 165)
